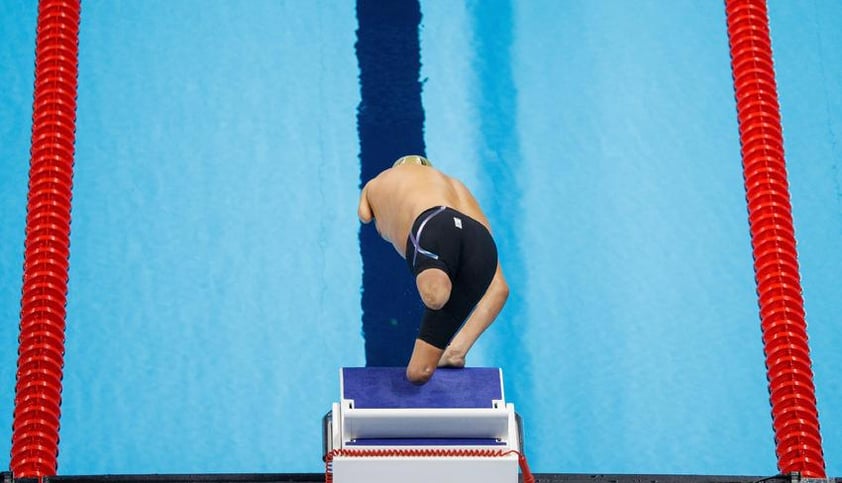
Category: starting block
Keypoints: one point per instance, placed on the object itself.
(456, 427)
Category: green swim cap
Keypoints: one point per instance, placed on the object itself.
(413, 159)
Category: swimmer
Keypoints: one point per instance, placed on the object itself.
(437, 226)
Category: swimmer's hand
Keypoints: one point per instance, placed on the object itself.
(451, 359)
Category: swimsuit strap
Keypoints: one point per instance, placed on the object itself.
(414, 238)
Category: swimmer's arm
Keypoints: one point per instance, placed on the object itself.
(364, 210)
(484, 314)
(489, 306)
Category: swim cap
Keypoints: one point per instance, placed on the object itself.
(413, 159)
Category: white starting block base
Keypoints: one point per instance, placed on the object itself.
(457, 427)
(421, 469)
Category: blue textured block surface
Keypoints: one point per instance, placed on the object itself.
(387, 387)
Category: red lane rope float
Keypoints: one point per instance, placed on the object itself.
(789, 370)
(428, 453)
(35, 434)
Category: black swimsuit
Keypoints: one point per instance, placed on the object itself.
(462, 247)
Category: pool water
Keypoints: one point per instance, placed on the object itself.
(220, 278)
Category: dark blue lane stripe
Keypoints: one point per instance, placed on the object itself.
(390, 122)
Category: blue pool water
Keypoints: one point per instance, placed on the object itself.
(217, 277)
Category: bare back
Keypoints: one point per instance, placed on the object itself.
(396, 197)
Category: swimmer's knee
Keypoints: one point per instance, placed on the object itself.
(434, 286)
(419, 375)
